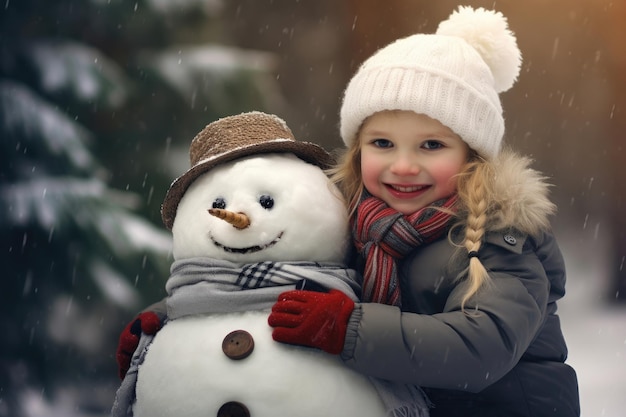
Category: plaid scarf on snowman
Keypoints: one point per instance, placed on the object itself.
(207, 285)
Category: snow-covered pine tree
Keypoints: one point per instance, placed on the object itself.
(98, 102)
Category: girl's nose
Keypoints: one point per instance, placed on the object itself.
(405, 165)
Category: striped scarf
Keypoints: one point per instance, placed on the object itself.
(383, 236)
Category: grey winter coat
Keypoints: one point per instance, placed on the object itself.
(505, 355)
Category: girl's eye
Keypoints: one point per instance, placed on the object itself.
(219, 203)
(266, 201)
(382, 143)
(432, 144)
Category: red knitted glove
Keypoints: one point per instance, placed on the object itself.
(310, 318)
(147, 322)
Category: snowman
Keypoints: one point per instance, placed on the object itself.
(254, 216)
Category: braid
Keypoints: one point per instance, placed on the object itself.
(474, 188)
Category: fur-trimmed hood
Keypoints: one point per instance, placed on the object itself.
(519, 196)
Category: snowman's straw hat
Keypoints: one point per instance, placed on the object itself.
(234, 137)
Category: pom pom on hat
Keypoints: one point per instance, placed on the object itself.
(487, 32)
(453, 76)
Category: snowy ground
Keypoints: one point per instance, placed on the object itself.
(596, 336)
(595, 332)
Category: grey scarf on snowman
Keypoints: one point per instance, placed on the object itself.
(207, 285)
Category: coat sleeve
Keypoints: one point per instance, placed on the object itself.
(454, 349)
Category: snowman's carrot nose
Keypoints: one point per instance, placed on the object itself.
(238, 220)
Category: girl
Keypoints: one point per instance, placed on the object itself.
(461, 272)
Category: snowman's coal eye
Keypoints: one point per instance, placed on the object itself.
(219, 203)
(266, 201)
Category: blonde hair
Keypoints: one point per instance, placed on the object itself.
(475, 191)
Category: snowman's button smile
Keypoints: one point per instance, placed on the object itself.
(250, 249)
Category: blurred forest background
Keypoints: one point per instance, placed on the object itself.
(99, 100)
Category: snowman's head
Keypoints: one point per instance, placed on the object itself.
(292, 211)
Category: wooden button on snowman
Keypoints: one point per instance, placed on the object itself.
(238, 345)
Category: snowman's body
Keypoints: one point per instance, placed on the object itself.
(188, 370)
(274, 380)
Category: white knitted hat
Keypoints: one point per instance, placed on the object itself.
(453, 76)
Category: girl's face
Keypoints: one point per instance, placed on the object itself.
(409, 160)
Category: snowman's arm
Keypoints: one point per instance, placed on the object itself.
(159, 308)
(148, 321)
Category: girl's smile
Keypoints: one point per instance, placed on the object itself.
(406, 191)
(409, 160)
